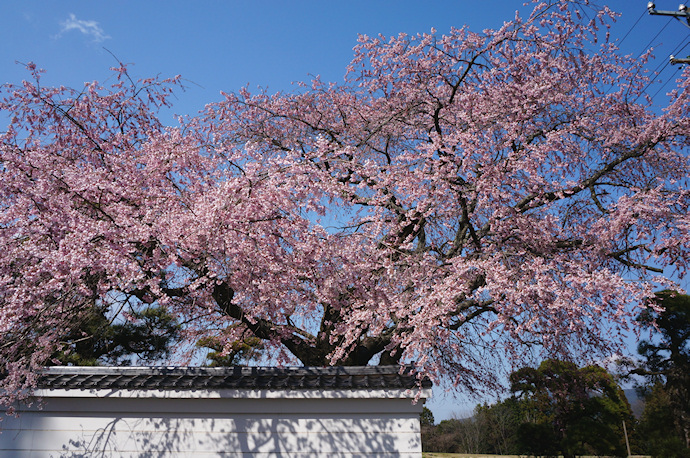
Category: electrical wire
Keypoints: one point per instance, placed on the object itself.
(653, 79)
(648, 45)
(673, 75)
(631, 28)
(658, 72)
(661, 67)
(676, 51)
(685, 24)
(665, 84)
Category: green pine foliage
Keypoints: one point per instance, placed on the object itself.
(224, 350)
(556, 409)
(571, 410)
(145, 335)
(665, 423)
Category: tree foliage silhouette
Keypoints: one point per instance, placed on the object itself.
(666, 366)
(456, 199)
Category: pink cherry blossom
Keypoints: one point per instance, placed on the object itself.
(460, 200)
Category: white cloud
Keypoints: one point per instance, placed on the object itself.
(88, 28)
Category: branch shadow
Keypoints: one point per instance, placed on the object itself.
(110, 427)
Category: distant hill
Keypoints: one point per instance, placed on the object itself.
(636, 402)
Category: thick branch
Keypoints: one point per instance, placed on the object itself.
(541, 199)
(265, 329)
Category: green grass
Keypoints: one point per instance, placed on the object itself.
(463, 455)
(482, 455)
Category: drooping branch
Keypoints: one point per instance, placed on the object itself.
(266, 330)
(536, 200)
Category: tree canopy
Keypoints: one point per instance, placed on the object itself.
(144, 336)
(570, 410)
(456, 200)
(666, 367)
(557, 409)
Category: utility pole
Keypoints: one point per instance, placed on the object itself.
(627, 442)
(675, 60)
(682, 12)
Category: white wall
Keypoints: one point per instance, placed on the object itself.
(241, 427)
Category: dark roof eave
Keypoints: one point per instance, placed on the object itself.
(253, 378)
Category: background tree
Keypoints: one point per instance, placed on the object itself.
(666, 367)
(492, 429)
(570, 410)
(500, 423)
(657, 429)
(223, 351)
(426, 418)
(446, 437)
(457, 200)
(142, 336)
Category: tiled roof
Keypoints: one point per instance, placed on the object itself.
(256, 378)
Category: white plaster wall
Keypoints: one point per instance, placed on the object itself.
(72, 427)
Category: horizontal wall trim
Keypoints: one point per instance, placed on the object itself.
(236, 394)
(195, 407)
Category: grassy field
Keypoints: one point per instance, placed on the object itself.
(464, 455)
(480, 455)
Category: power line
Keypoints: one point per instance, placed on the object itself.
(673, 75)
(675, 51)
(682, 12)
(630, 30)
(686, 25)
(658, 72)
(626, 36)
(655, 74)
(648, 45)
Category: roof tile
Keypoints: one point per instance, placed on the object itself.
(191, 378)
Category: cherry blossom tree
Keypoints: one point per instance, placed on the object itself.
(458, 200)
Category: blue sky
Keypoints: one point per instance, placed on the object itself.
(224, 45)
